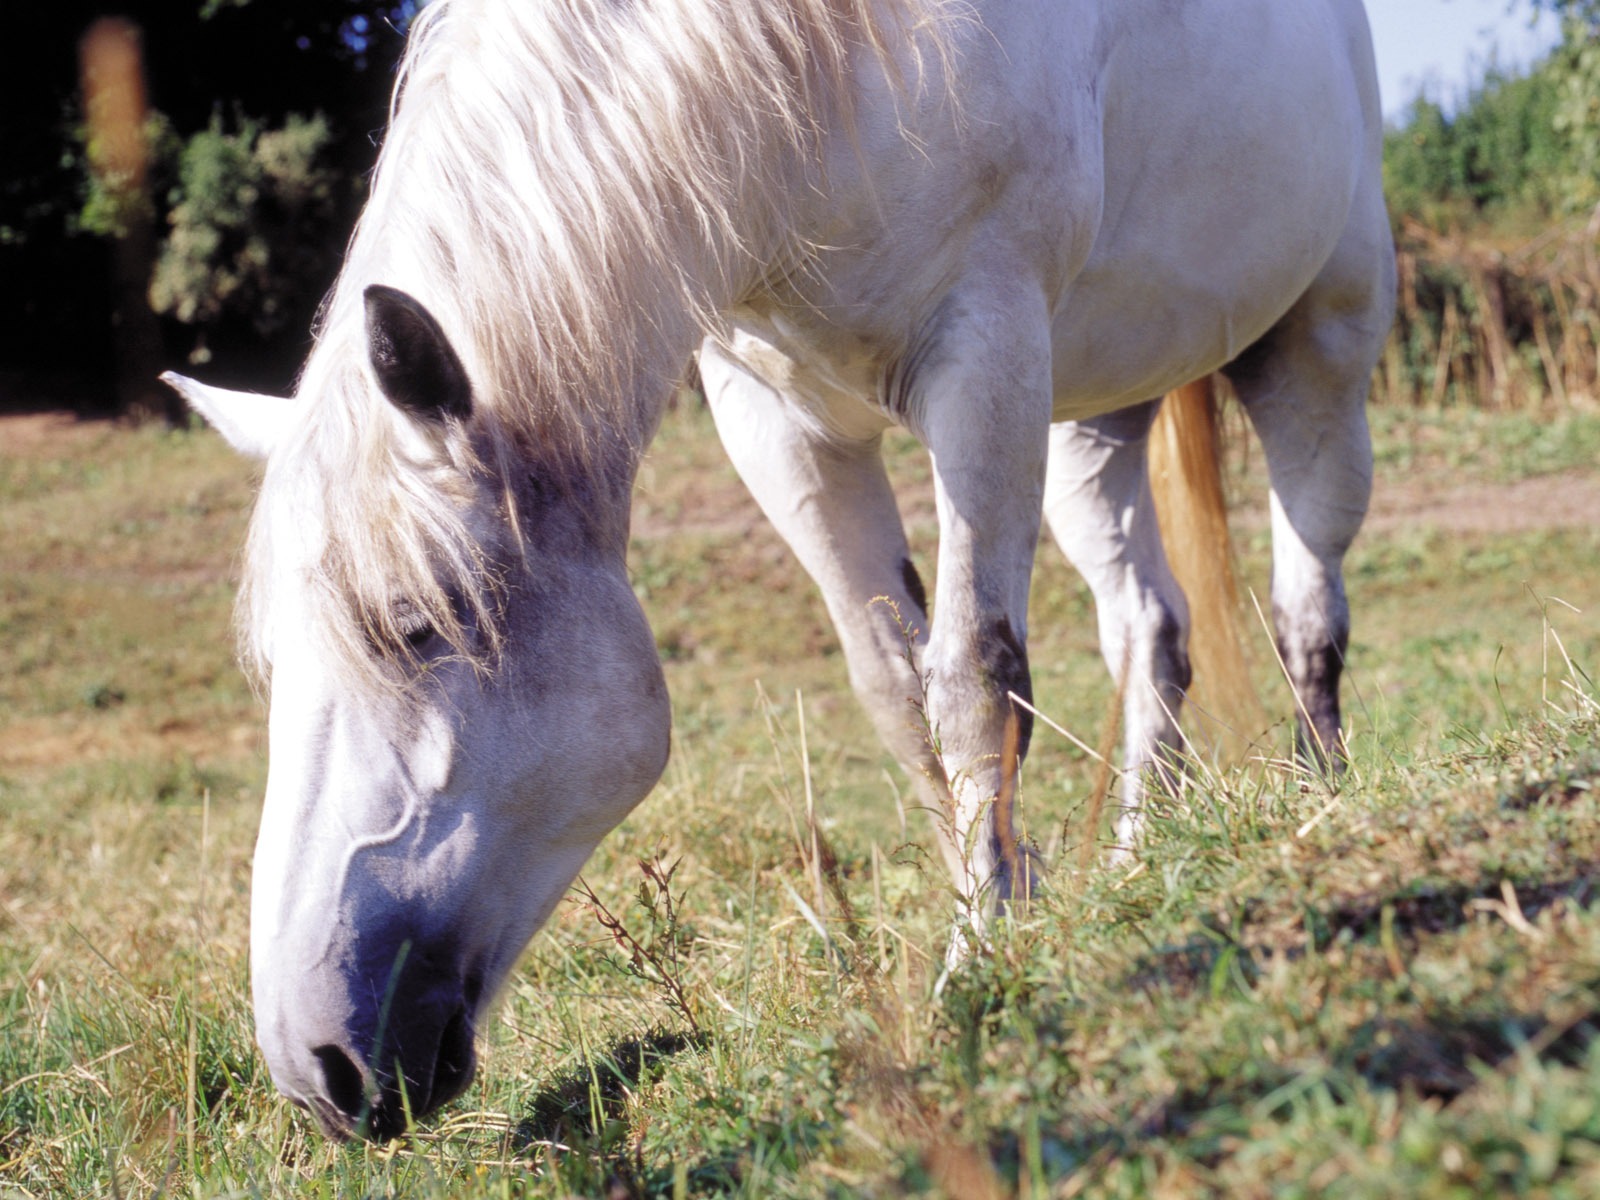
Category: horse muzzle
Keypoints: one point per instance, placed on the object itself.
(401, 1047)
(423, 1069)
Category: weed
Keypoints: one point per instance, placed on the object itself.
(654, 957)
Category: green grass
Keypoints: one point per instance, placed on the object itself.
(1498, 446)
(1390, 990)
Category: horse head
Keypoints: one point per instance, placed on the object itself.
(465, 697)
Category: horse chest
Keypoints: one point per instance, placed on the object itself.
(833, 375)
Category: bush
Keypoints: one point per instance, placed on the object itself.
(1517, 146)
(1496, 222)
(252, 227)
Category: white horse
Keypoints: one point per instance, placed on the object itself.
(1004, 225)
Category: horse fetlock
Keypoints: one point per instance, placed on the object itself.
(1156, 769)
(1313, 655)
(991, 863)
(1018, 877)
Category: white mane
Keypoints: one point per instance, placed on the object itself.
(563, 185)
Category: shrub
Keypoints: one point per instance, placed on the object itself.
(1516, 146)
(251, 227)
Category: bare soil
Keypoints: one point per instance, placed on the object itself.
(1566, 500)
(46, 434)
(716, 504)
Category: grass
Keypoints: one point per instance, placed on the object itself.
(1498, 446)
(1388, 990)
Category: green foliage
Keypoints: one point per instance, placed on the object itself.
(1577, 121)
(113, 202)
(1587, 11)
(1517, 143)
(250, 224)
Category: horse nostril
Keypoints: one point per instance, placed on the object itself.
(342, 1081)
(453, 1069)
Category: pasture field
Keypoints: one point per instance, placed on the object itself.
(1388, 989)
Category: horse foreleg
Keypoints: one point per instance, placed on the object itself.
(1098, 503)
(830, 500)
(979, 396)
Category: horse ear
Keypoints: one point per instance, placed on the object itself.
(251, 423)
(415, 364)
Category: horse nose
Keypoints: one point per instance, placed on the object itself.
(422, 1063)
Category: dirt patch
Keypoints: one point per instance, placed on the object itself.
(38, 745)
(1568, 500)
(49, 434)
(721, 506)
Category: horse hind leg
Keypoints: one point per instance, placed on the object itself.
(1100, 510)
(1304, 386)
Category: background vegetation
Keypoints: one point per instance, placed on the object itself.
(1392, 988)
(263, 121)
(1495, 201)
(264, 117)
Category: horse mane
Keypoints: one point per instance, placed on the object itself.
(564, 185)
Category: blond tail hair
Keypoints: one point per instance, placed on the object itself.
(1186, 481)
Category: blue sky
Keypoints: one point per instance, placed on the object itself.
(1442, 45)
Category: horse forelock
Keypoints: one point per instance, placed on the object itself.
(566, 186)
(356, 542)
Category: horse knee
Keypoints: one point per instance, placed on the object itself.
(1005, 666)
(969, 685)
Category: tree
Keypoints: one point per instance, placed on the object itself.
(274, 101)
(254, 214)
(1526, 144)
(1585, 11)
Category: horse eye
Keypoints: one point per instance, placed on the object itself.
(417, 630)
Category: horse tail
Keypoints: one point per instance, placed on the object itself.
(1186, 481)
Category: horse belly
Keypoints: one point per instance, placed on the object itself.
(1200, 173)
(1232, 155)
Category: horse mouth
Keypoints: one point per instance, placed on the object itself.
(334, 1124)
(355, 1102)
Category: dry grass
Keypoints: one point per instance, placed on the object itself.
(1385, 990)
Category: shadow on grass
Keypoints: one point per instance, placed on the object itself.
(1444, 1056)
(1409, 915)
(1430, 909)
(1434, 1059)
(583, 1122)
(582, 1104)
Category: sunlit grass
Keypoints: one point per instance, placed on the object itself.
(1387, 989)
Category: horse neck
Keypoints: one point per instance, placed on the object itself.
(576, 247)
